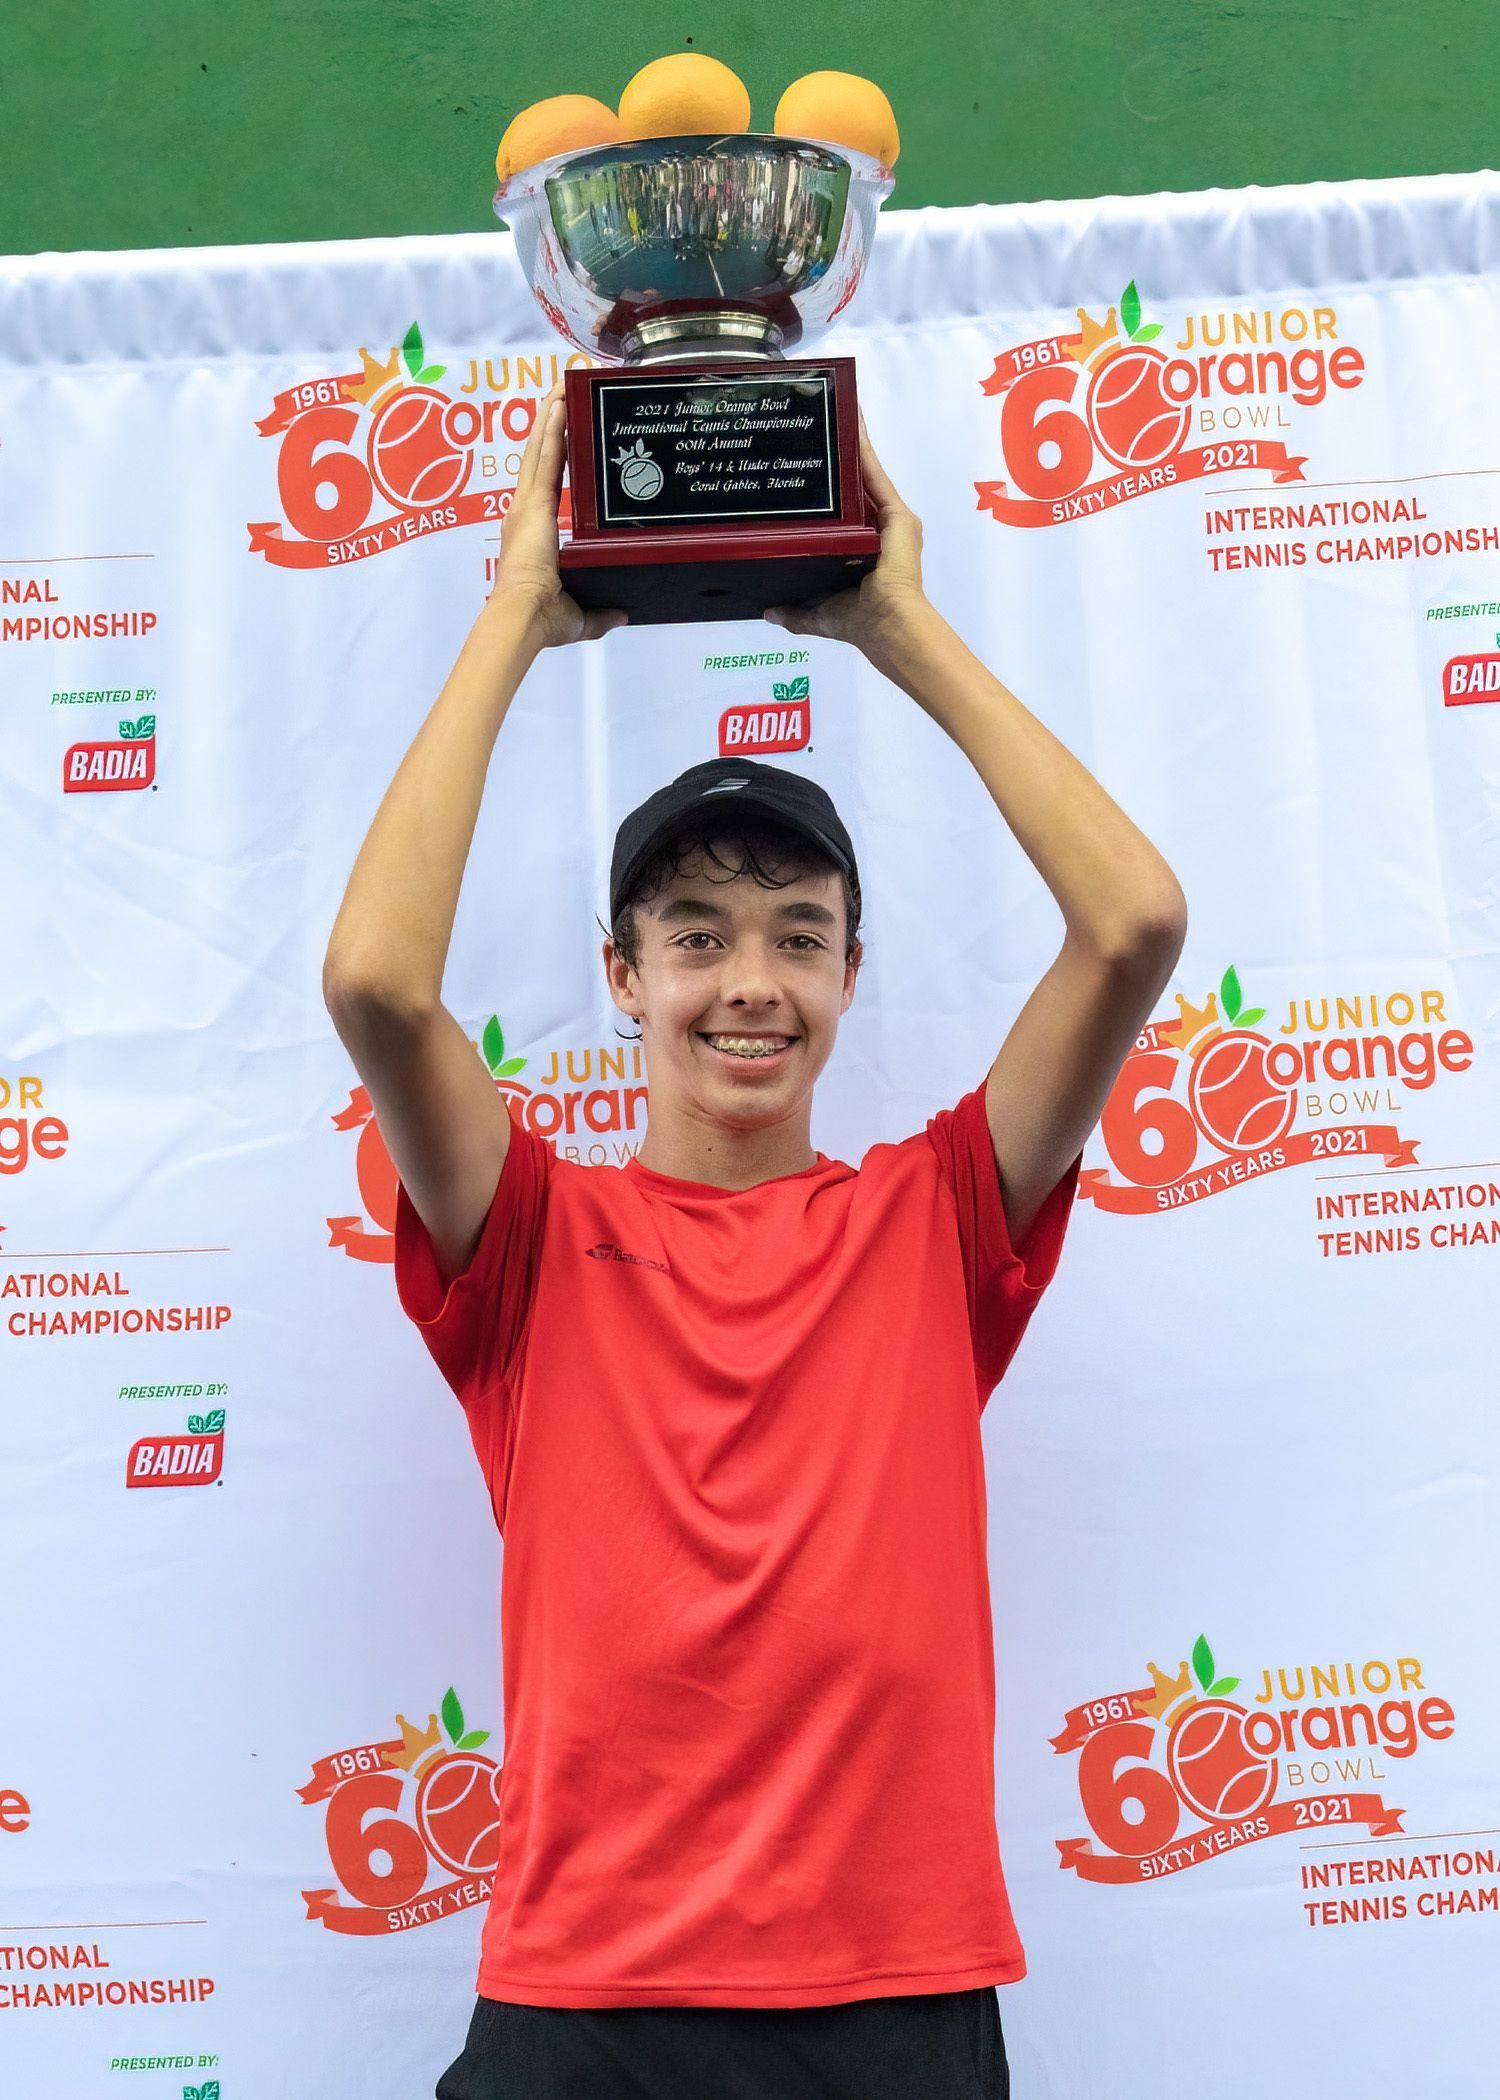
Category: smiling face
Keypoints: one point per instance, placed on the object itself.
(739, 987)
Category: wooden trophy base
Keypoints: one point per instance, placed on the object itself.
(710, 490)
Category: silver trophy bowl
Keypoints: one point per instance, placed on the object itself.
(739, 246)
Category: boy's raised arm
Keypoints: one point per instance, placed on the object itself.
(444, 1124)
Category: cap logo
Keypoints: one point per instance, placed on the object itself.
(721, 787)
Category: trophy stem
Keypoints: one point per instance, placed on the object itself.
(670, 338)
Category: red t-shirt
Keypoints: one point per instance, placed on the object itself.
(732, 1443)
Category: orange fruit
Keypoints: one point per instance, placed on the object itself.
(687, 92)
(843, 108)
(560, 124)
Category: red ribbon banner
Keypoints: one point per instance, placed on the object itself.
(325, 1908)
(330, 1772)
(1079, 1722)
(1232, 457)
(351, 1236)
(1012, 365)
(1095, 1186)
(267, 537)
(311, 393)
(1315, 1812)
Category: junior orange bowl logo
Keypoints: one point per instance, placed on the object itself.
(372, 459)
(1208, 1101)
(1176, 1772)
(1097, 417)
(398, 1812)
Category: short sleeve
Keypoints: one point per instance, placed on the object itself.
(1003, 1283)
(474, 1326)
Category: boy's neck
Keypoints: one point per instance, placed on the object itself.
(724, 1158)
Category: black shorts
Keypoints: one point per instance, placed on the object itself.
(942, 2045)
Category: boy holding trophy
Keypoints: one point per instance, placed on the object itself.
(727, 1397)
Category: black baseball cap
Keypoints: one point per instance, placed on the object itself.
(738, 787)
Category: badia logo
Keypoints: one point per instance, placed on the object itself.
(102, 767)
(398, 1811)
(1175, 1773)
(1094, 419)
(1208, 1101)
(1467, 679)
(194, 1460)
(369, 460)
(784, 726)
(584, 1104)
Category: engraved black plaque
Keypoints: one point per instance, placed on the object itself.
(682, 449)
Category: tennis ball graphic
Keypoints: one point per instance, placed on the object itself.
(458, 1811)
(640, 476)
(414, 457)
(1215, 1770)
(1129, 411)
(1233, 1097)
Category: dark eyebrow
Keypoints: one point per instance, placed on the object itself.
(700, 908)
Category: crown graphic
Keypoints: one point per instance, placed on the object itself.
(415, 1743)
(377, 377)
(1170, 1694)
(1195, 1026)
(1101, 339)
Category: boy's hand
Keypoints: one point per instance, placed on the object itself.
(528, 574)
(873, 612)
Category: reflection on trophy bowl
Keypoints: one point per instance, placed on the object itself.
(740, 246)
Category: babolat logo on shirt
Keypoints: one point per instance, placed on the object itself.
(606, 1250)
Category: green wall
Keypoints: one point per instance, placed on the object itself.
(165, 123)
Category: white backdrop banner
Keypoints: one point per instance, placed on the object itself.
(1213, 483)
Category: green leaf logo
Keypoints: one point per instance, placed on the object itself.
(781, 692)
(215, 1421)
(492, 1043)
(412, 355)
(429, 373)
(1203, 1668)
(453, 1714)
(1130, 317)
(1203, 1661)
(195, 1425)
(799, 689)
(206, 1425)
(473, 1739)
(1230, 998)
